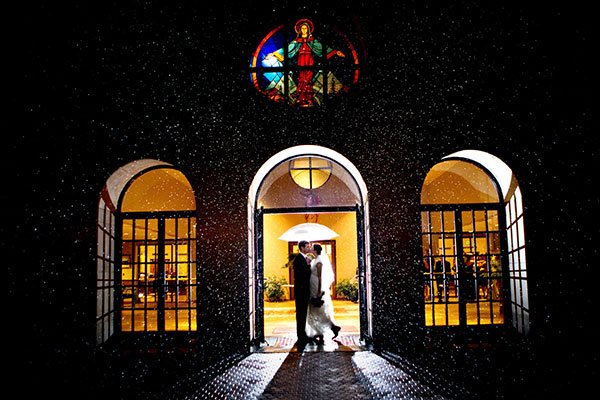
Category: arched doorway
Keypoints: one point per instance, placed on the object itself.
(475, 271)
(308, 184)
(146, 261)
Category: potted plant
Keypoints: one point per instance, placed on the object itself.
(348, 289)
(274, 288)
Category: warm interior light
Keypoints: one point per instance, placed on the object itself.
(458, 182)
(161, 189)
(310, 172)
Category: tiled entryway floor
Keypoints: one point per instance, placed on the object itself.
(315, 376)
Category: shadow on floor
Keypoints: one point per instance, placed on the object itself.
(315, 375)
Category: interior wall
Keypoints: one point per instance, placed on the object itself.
(276, 251)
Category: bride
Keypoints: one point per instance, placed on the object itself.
(320, 318)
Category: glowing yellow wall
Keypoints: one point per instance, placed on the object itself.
(162, 189)
(276, 251)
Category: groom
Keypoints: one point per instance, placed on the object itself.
(302, 290)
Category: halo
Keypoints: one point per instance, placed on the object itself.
(304, 21)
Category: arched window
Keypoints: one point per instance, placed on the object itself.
(473, 243)
(146, 251)
(304, 64)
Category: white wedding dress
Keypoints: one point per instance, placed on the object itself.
(320, 319)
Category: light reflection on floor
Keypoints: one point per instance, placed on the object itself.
(246, 380)
(317, 375)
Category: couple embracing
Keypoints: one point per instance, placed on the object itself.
(314, 307)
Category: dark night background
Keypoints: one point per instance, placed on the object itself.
(106, 83)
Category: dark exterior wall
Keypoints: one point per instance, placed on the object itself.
(108, 85)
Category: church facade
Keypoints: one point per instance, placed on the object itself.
(443, 147)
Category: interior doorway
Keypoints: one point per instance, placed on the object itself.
(278, 255)
(297, 185)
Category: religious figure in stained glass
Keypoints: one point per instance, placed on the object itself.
(302, 48)
(300, 72)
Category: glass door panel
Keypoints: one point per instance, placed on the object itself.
(158, 278)
(139, 264)
(462, 268)
(482, 269)
(180, 274)
(439, 260)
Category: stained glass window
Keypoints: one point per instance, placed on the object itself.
(304, 64)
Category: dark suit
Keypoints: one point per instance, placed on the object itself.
(442, 272)
(301, 293)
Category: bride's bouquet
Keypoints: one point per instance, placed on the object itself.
(316, 301)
